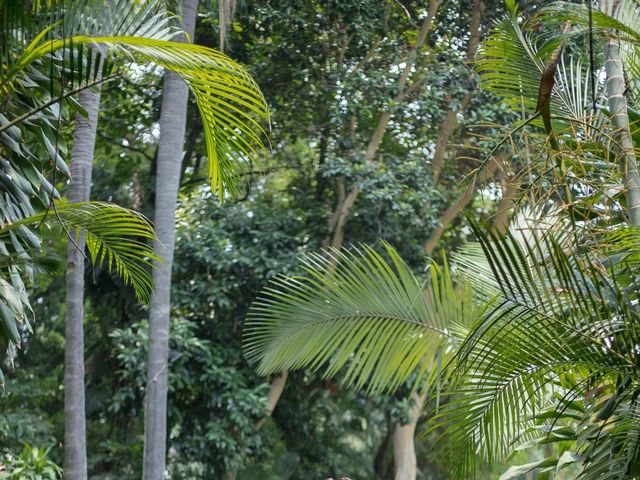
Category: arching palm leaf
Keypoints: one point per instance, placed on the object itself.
(116, 237)
(557, 314)
(513, 59)
(370, 315)
(230, 102)
(548, 352)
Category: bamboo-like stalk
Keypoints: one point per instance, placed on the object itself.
(173, 121)
(616, 88)
(84, 140)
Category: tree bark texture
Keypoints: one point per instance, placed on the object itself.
(404, 449)
(75, 444)
(616, 94)
(277, 383)
(173, 118)
(510, 189)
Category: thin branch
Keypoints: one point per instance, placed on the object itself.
(450, 122)
(239, 175)
(451, 213)
(343, 49)
(104, 136)
(365, 59)
(407, 13)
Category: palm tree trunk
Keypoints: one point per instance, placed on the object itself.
(84, 140)
(616, 89)
(173, 119)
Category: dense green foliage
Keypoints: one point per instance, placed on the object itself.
(524, 343)
(533, 340)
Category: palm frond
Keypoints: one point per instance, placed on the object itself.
(231, 104)
(510, 65)
(614, 18)
(115, 236)
(27, 27)
(512, 61)
(358, 311)
(556, 312)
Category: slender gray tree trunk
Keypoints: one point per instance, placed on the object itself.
(75, 444)
(173, 117)
(616, 88)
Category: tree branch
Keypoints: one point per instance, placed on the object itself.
(452, 212)
(344, 208)
(450, 123)
(109, 138)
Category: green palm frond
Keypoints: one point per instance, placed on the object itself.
(357, 311)
(621, 21)
(140, 18)
(13, 311)
(115, 237)
(558, 312)
(28, 27)
(510, 65)
(512, 60)
(231, 104)
(543, 351)
(610, 445)
(573, 80)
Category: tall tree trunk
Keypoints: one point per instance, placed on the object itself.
(173, 118)
(343, 209)
(404, 449)
(84, 140)
(383, 461)
(338, 220)
(616, 89)
(226, 10)
(404, 452)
